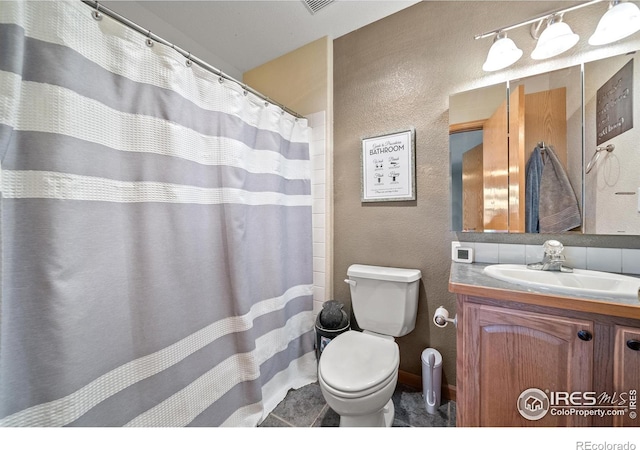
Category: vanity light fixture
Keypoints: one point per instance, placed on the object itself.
(555, 39)
(502, 53)
(621, 20)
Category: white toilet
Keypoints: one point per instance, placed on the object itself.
(358, 371)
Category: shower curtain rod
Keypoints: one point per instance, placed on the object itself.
(149, 35)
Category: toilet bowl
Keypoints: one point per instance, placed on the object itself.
(358, 371)
(357, 374)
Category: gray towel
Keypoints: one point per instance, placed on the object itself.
(533, 173)
(559, 209)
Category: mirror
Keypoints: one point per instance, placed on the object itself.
(493, 133)
(612, 185)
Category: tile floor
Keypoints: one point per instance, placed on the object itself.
(305, 407)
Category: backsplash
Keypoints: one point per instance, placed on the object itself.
(617, 260)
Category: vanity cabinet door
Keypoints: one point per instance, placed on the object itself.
(626, 372)
(507, 351)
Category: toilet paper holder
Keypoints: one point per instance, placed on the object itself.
(441, 318)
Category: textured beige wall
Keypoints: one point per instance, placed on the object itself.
(397, 73)
(389, 76)
(300, 80)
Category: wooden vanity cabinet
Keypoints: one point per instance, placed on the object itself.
(505, 348)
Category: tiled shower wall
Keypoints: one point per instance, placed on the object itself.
(617, 260)
(317, 121)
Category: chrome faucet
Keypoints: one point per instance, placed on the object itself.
(553, 258)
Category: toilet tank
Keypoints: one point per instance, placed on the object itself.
(384, 299)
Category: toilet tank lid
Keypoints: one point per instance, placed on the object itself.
(384, 273)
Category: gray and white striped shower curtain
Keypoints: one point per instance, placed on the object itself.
(156, 263)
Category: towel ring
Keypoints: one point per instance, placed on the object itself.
(609, 148)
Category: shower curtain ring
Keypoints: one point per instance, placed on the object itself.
(188, 62)
(149, 41)
(96, 12)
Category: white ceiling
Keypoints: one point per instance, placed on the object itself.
(238, 35)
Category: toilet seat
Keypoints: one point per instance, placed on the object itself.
(355, 364)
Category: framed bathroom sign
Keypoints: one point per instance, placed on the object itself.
(614, 105)
(388, 167)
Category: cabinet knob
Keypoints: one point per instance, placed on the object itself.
(633, 344)
(585, 335)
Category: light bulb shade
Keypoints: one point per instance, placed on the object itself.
(617, 23)
(502, 54)
(555, 39)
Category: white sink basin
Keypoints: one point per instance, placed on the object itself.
(579, 282)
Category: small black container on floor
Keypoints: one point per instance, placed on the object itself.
(327, 325)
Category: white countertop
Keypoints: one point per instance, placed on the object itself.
(470, 279)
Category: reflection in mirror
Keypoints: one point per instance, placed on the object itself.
(552, 105)
(612, 186)
(468, 115)
(491, 142)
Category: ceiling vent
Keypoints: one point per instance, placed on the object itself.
(316, 5)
